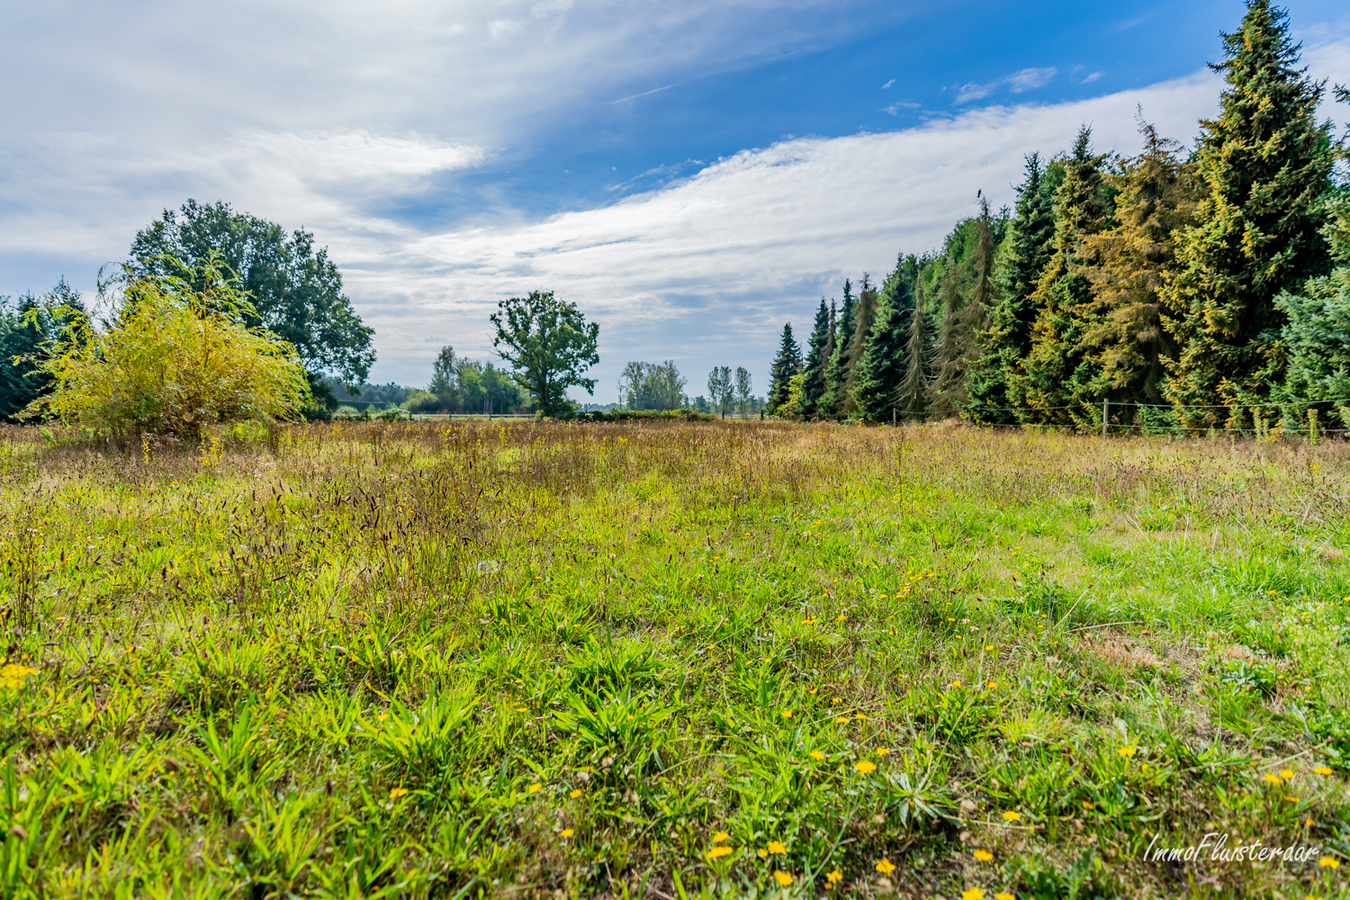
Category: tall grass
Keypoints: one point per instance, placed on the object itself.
(668, 659)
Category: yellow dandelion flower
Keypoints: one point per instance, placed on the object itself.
(972, 894)
(1273, 778)
(787, 713)
(574, 793)
(1088, 805)
(776, 848)
(1287, 774)
(397, 792)
(956, 683)
(983, 855)
(816, 755)
(866, 767)
(991, 684)
(882, 751)
(834, 877)
(521, 709)
(813, 691)
(1328, 862)
(567, 832)
(719, 852)
(885, 866)
(1127, 752)
(861, 716)
(782, 878)
(1323, 770)
(836, 700)
(1010, 816)
(535, 788)
(842, 719)
(989, 647)
(720, 837)
(1005, 896)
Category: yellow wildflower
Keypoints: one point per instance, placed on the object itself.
(1323, 770)
(882, 751)
(834, 877)
(885, 866)
(720, 837)
(574, 793)
(1273, 778)
(397, 792)
(1287, 774)
(1089, 805)
(535, 788)
(1127, 752)
(983, 855)
(719, 852)
(1328, 862)
(1005, 896)
(776, 848)
(866, 767)
(782, 878)
(816, 755)
(787, 713)
(842, 719)
(1010, 816)
(972, 894)
(567, 832)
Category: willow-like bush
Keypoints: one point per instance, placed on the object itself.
(172, 360)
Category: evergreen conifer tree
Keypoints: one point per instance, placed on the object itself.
(946, 391)
(836, 373)
(1265, 162)
(883, 363)
(1057, 371)
(911, 396)
(1023, 255)
(1155, 200)
(865, 313)
(787, 364)
(813, 370)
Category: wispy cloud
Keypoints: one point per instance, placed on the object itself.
(1018, 83)
(888, 84)
(1091, 78)
(643, 94)
(895, 108)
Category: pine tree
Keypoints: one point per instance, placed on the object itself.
(911, 396)
(1317, 334)
(1021, 258)
(946, 392)
(882, 365)
(863, 317)
(817, 358)
(836, 373)
(787, 364)
(1265, 162)
(1057, 372)
(1155, 200)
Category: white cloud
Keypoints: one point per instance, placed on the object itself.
(1091, 78)
(888, 84)
(707, 271)
(1018, 83)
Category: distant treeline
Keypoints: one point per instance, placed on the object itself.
(1197, 290)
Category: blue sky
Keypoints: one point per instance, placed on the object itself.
(691, 173)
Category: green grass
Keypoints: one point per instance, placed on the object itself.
(545, 660)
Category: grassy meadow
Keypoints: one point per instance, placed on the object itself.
(671, 660)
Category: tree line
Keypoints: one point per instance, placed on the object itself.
(1168, 289)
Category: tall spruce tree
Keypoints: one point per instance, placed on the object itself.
(1155, 199)
(946, 391)
(912, 395)
(882, 366)
(863, 317)
(1021, 258)
(786, 365)
(817, 358)
(1057, 378)
(1265, 162)
(836, 373)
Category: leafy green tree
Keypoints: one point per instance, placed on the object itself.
(833, 401)
(1265, 162)
(720, 389)
(175, 360)
(1317, 332)
(1057, 371)
(885, 359)
(294, 291)
(1155, 200)
(550, 344)
(745, 392)
(817, 358)
(645, 385)
(786, 364)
